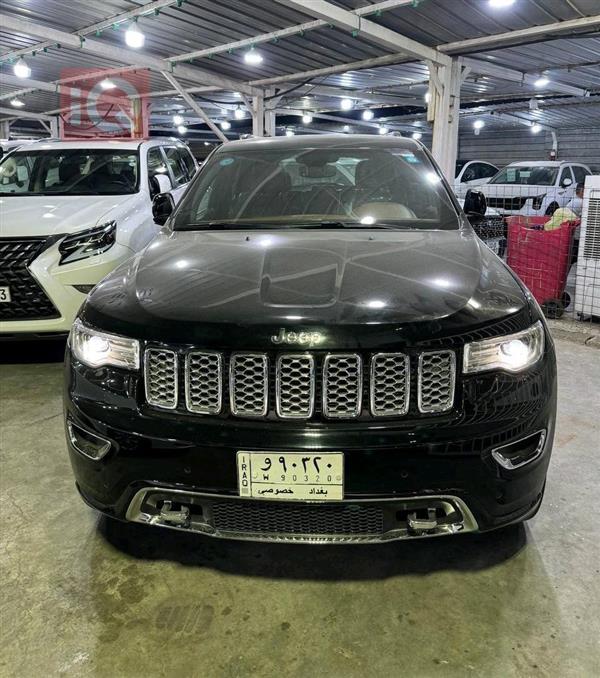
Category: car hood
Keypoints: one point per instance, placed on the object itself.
(36, 215)
(185, 282)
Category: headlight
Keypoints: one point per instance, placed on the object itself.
(537, 201)
(87, 243)
(513, 353)
(98, 349)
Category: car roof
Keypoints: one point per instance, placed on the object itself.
(543, 163)
(124, 144)
(321, 141)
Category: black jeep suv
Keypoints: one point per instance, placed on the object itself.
(316, 348)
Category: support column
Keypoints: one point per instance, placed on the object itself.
(270, 114)
(258, 115)
(443, 111)
(54, 133)
(4, 129)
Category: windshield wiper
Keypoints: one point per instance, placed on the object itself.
(240, 225)
(354, 224)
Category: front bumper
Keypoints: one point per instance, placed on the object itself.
(394, 468)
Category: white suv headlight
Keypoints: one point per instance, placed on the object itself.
(87, 243)
(99, 349)
(513, 352)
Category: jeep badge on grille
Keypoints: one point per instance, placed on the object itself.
(302, 338)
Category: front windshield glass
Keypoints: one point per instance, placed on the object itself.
(69, 172)
(527, 175)
(345, 185)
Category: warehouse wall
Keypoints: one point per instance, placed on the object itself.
(510, 145)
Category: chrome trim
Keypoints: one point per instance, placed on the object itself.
(468, 523)
(102, 450)
(450, 404)
(358, 408)
(265, 362)
(312, 386)
(150, 401)
(372, 394)
(506, 463)
(188, 404)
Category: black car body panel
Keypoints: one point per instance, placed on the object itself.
(363, 290)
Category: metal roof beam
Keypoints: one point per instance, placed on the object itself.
(520, 37)
(367, 29)
(150, 8)
(121, 54)
(298, 29)
(15, 115)
(485, 68)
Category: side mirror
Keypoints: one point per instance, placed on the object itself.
(159, 183)
(566, 182)
(475, 206)
(163, 206)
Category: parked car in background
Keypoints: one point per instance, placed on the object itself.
(311, 354)
(71, 212)
(472, 173)
(534, 188)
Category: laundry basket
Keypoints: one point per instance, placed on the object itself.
(541, 259)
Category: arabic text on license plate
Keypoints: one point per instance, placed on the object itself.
(291, 475)
(5, 294)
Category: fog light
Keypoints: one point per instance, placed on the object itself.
(524, 451)
(86, 443)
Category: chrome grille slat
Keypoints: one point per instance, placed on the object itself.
(248, 384)
(390, 384)
(295, 386)
(204, 382)
(437, 376)
(160, 377)
(295, 390)
(342, 385)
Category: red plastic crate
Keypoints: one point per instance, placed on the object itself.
(541, 258)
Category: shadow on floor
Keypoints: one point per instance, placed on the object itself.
(27, 352)
(470, 552)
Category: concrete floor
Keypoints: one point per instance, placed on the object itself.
(79, 599)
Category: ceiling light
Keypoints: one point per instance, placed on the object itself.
(17, 103)
(427, 97)
(107, 84)
(21, 69)
(178, 119)
(289, 132)
(383, 129)
(307, 118)
(416, 136)
(497, 4)
(368, 114)
(346, 128)
(206, 143)
(536, 128)
(182, 129)
(479, 124)
(541, 82)
(253, 57)
(225, 124)
(346, 104)
(239, 113)
(134, 37)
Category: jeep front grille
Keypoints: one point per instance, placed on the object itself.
(436, 381)
(160, 372)
(300, 385)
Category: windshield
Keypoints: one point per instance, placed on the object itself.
(348, 186)
(69, 172)
(534, 175)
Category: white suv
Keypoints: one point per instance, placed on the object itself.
(472, 173)
(70, 212)
(534, 188)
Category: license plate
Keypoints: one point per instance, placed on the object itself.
(291, 475)
(5, 294)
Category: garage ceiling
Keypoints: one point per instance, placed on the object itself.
(570, 58)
